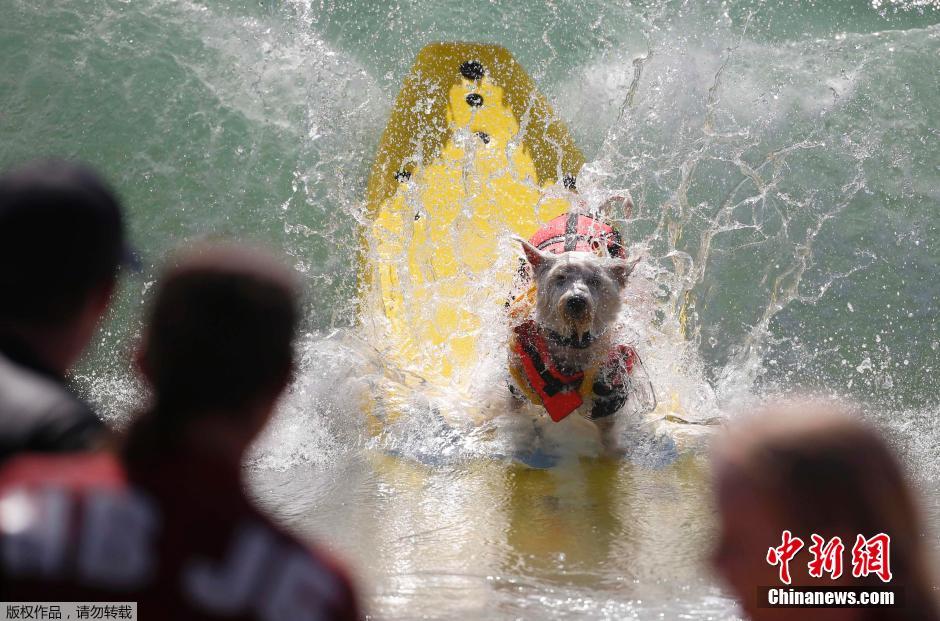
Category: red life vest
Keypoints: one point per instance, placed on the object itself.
(561, 394)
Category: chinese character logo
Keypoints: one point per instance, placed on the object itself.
(827, 557)
(872, 556)
(782, 554)
(869, 556)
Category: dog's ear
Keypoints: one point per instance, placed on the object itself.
(616, 207)
(622, 268)
(537, 259)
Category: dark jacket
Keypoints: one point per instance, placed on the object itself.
(191, 546)
(38, 412)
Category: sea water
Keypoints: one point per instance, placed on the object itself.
(784, 158)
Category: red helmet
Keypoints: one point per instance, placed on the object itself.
(578, 232)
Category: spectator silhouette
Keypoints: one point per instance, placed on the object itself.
(167, 523)
(61, 243)
(811, 468)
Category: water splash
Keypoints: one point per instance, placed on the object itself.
(783, 164)
(744, 162)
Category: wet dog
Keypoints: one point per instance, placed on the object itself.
(564, 354)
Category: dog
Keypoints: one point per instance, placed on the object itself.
(564, 352)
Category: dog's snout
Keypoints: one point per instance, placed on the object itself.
(576, 304)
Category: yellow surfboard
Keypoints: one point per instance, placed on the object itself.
(468, 158)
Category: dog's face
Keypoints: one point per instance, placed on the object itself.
(578, 293)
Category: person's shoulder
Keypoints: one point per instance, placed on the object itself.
(73, 471)
(309, 567)
(26, 393)
(40, 414)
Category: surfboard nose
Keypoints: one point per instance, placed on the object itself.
(470, 149)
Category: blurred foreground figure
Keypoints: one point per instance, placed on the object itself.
(167, 524)
(61, 243)
(833, 484)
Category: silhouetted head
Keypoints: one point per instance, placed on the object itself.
(62, 241)
(813, 468)
(219, 337)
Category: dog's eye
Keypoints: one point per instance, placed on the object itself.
(559, 278)
(593, 281)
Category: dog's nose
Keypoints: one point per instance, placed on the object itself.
(576, 305)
